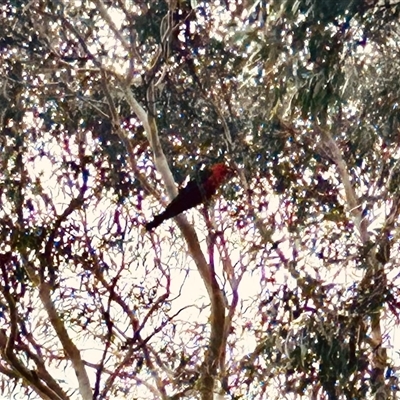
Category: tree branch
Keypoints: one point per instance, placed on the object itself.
(68, 345)
(353, 202)
(104, 14)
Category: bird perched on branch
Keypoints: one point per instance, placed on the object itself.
(198, 190)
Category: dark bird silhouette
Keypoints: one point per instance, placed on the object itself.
(198, 190)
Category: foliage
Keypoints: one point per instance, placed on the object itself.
(102, 103)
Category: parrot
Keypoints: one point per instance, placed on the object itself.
(197, 191)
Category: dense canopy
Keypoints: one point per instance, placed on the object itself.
(285, 285)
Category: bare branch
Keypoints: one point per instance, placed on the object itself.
(7, 349)
(104, 13)
(354, 205)
(68, 345)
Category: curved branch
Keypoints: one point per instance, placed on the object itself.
(217, 318)
(7, 348)
(353, 202)
(52, 391)
(68, 345)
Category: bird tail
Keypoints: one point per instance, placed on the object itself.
(177, 205)
(158, 220)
